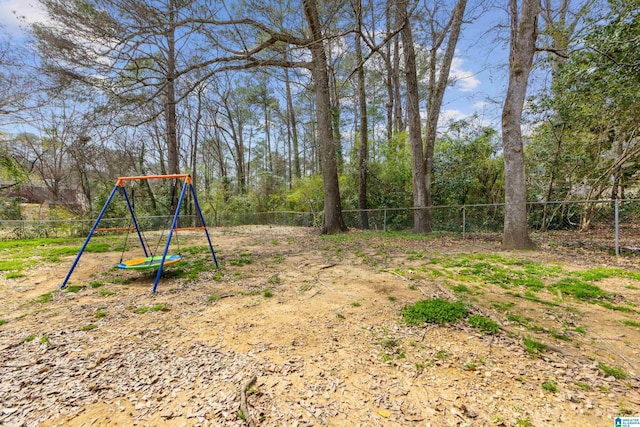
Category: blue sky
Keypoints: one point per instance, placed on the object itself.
(479, 65)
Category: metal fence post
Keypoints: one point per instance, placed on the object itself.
(617, 224)
(384, 221)
(464, 222)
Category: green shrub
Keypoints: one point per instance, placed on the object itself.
(484, 324)
(611, 371)
(435, 310)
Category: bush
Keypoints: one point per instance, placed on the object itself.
(434, 310)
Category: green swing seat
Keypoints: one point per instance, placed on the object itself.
(149, 262)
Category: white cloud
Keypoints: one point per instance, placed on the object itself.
(480, 105)
(465, 80)
(17, 13)
(448, 116)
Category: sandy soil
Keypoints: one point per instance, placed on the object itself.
(329, 347)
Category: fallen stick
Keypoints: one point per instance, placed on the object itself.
(243, 402)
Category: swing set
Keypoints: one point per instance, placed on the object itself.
(150, 260)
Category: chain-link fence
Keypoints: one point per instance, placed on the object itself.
(604, 224)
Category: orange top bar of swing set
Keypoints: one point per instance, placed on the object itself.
(186, 176)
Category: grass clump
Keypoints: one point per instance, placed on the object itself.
(96, 284)
(550, 386)
(73, 289)
(29, 338)
(580, 289)
(48, 297)
(3, 322)
(100, 314)
(14, 275)
(106, 293)
(244, 259)
(436, 310)
(267, 293)
(612, 371)
(146, 308)
(88, 327)
(533, 347)
(631, 323)
(484, 324)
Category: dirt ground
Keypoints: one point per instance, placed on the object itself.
(308, 331)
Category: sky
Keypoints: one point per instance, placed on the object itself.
(479, 66)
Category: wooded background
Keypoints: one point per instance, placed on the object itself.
(319, 106)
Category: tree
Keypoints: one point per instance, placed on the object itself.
(363, 157)
(524, 32)
(133, 50)
(333, 222)
(436, 88)
(420, 216)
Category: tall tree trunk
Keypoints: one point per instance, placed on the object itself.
(333, 221)
(170, 102)
(524, 33)
(436, 94)
(420, 216)
(293, 126)
(389, 69)
(364, 128)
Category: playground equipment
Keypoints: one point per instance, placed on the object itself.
(150, 260)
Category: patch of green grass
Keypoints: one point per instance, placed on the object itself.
(533, 347)
(584, 386)
(14, 275)
(96, 284)
(213, 298)
(29, 338)
(460, 289)
(356, 304)
(441, 355)
(100, 314)
(470, 366)
(484, 324)
(612, 371)
(3, 322)
(582, 330)
(146, 308)
(435, 310)
(73, 289)
(614, 307)
(88, 327)
(503, 306)
(550, 386)
(524, 422)
(267, 293)
(580, 289)
(277, 259)
(244, 259)
(105, 293)
(45, 340)
(391, 298)
(559, 335)
(274, 280)
(14, 265)
(631, 323)
(48, 297)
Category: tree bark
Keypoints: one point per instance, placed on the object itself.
(364, 127)
(523, 45)
(436, 95)
(333, 221)
(420, 223)
(293, 126)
